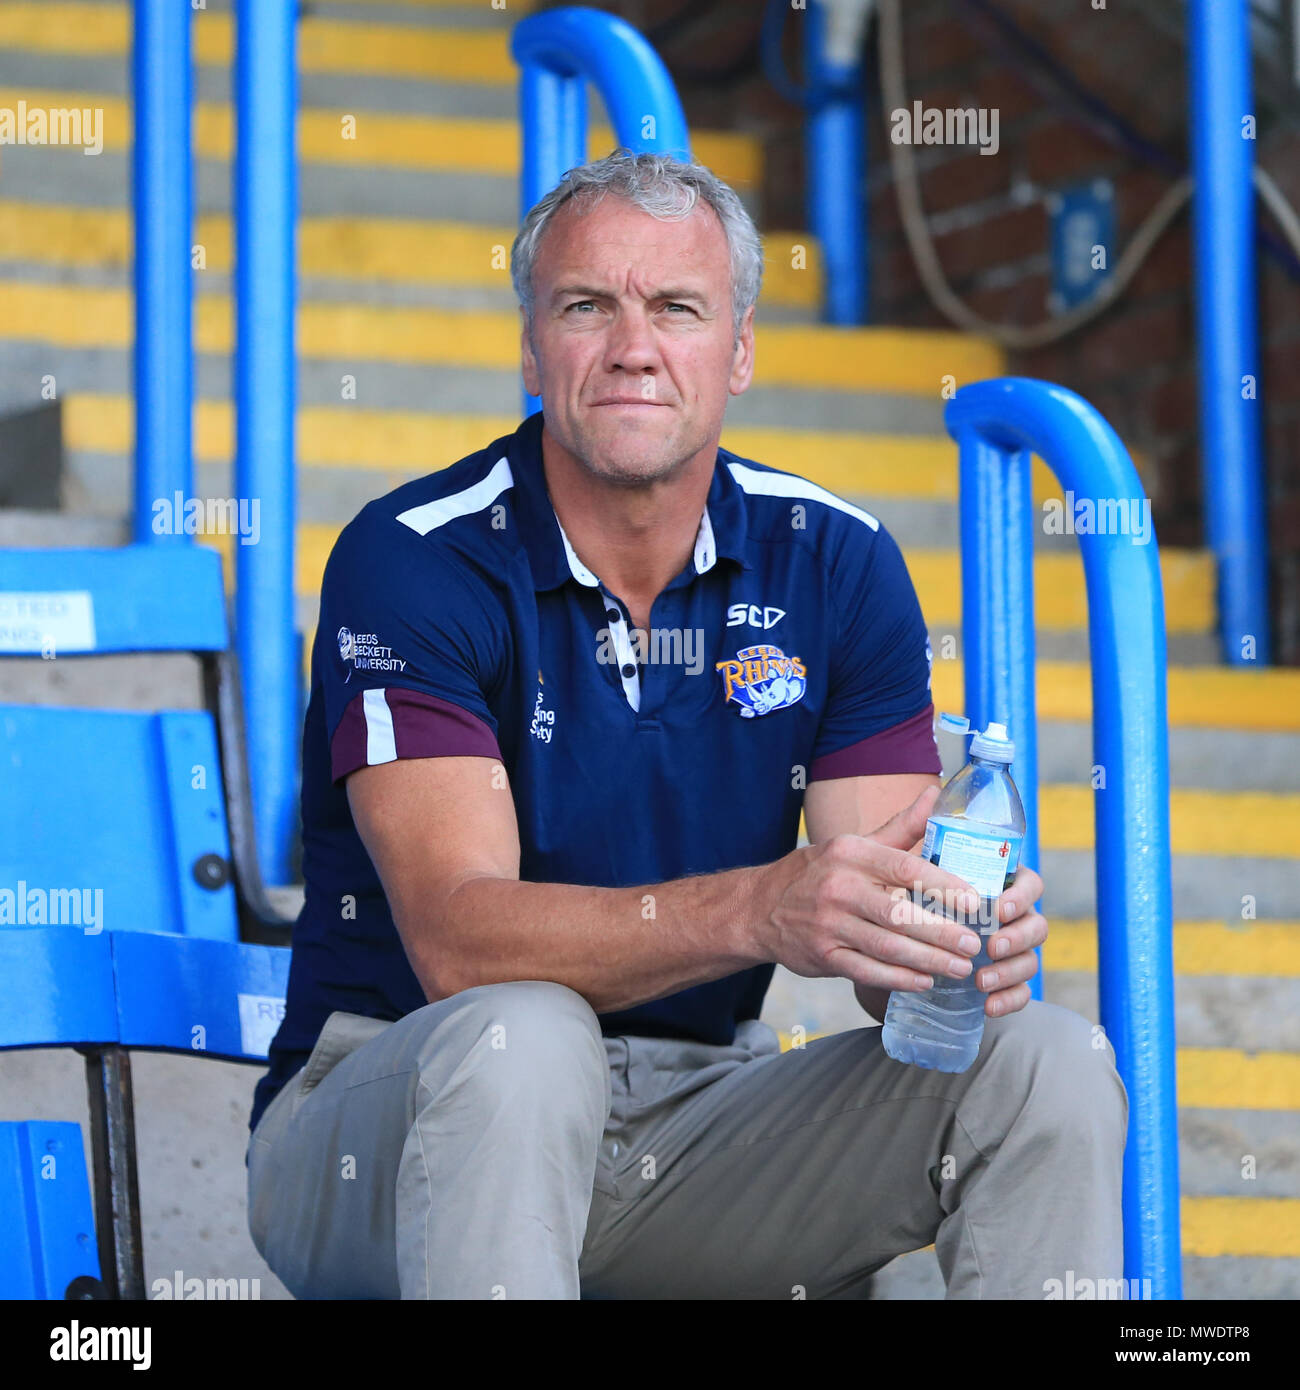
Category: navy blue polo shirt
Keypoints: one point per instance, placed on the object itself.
(456, 619)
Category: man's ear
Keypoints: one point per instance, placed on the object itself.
(528, 358)
(742, 362)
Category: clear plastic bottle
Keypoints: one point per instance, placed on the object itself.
(975, 831)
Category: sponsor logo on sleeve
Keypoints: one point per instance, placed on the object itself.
(363, 651)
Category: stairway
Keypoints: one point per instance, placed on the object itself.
(408, 344)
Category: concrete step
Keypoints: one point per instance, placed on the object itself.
(883, 360)
(1239, 1235)
(380, 260)
(433, 49)
(408, 141)
(192, 1116)
(1238, 1031)
(917, 1277)
(342, 91)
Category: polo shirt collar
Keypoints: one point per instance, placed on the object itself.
(723, 529)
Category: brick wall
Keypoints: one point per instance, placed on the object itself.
(1136, 362)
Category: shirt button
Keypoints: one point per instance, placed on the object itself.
(629, 670)
(613, 614)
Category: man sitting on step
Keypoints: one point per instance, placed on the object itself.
(569, 699)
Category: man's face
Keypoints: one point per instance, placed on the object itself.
(632, 348)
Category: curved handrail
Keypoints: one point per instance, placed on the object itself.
(998, 426)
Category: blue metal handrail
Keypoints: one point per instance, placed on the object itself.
(163, 206)
(1223, 245)
(835, 155)
(999, 425)
(265, 190)
(559, 52)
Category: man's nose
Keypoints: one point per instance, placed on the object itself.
(631, 346)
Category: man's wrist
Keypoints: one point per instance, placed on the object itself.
(766, 888)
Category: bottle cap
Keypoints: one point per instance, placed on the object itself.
(993, 744)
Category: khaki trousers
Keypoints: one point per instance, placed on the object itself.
(495, 1145)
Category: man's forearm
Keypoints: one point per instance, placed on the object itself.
(617, 947)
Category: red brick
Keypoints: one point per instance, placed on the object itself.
(1125, 341)
(937, 46)
(1022, 303)
(1168, 265)
(1005, 239)
(1137, 191)
(967, 178)
(895, 273)
(1058, 362)
(1172, 405)
(1281, 368)
(1059, 152)
(1284, 524)
(1004, 89)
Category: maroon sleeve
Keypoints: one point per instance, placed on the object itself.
(380, 726)
(905, 747)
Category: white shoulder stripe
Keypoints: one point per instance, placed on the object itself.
(381, 743)
(782, 485)
(441, 510)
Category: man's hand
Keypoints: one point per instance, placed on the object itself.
(845, 909)
(1012, 946)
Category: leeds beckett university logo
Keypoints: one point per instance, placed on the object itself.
(363, 652)
(762, 678)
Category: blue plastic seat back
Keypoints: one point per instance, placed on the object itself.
(118, 915)
(113, 820)
(47, 1227)
(132, 598)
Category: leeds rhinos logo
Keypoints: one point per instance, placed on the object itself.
(762, 678)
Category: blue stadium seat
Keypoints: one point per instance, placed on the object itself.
(132, 912)
(47, 1231)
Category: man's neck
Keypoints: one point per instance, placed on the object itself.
(635, 539)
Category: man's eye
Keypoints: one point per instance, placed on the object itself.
(686, 307)
(582, 304)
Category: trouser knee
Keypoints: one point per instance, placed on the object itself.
(1062, 1065)
(527, 1047)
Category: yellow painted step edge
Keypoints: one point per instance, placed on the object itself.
(1212, 697)
(1212, 1078)
(851, 359)
(1243, 1226)
(324, 45)
(413, 443)
(1256, 949)
(392, 250)
(381, 139)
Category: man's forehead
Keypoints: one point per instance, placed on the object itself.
(613, 229)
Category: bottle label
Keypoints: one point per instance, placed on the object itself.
(986, 859)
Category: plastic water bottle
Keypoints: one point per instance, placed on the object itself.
(975, 831)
